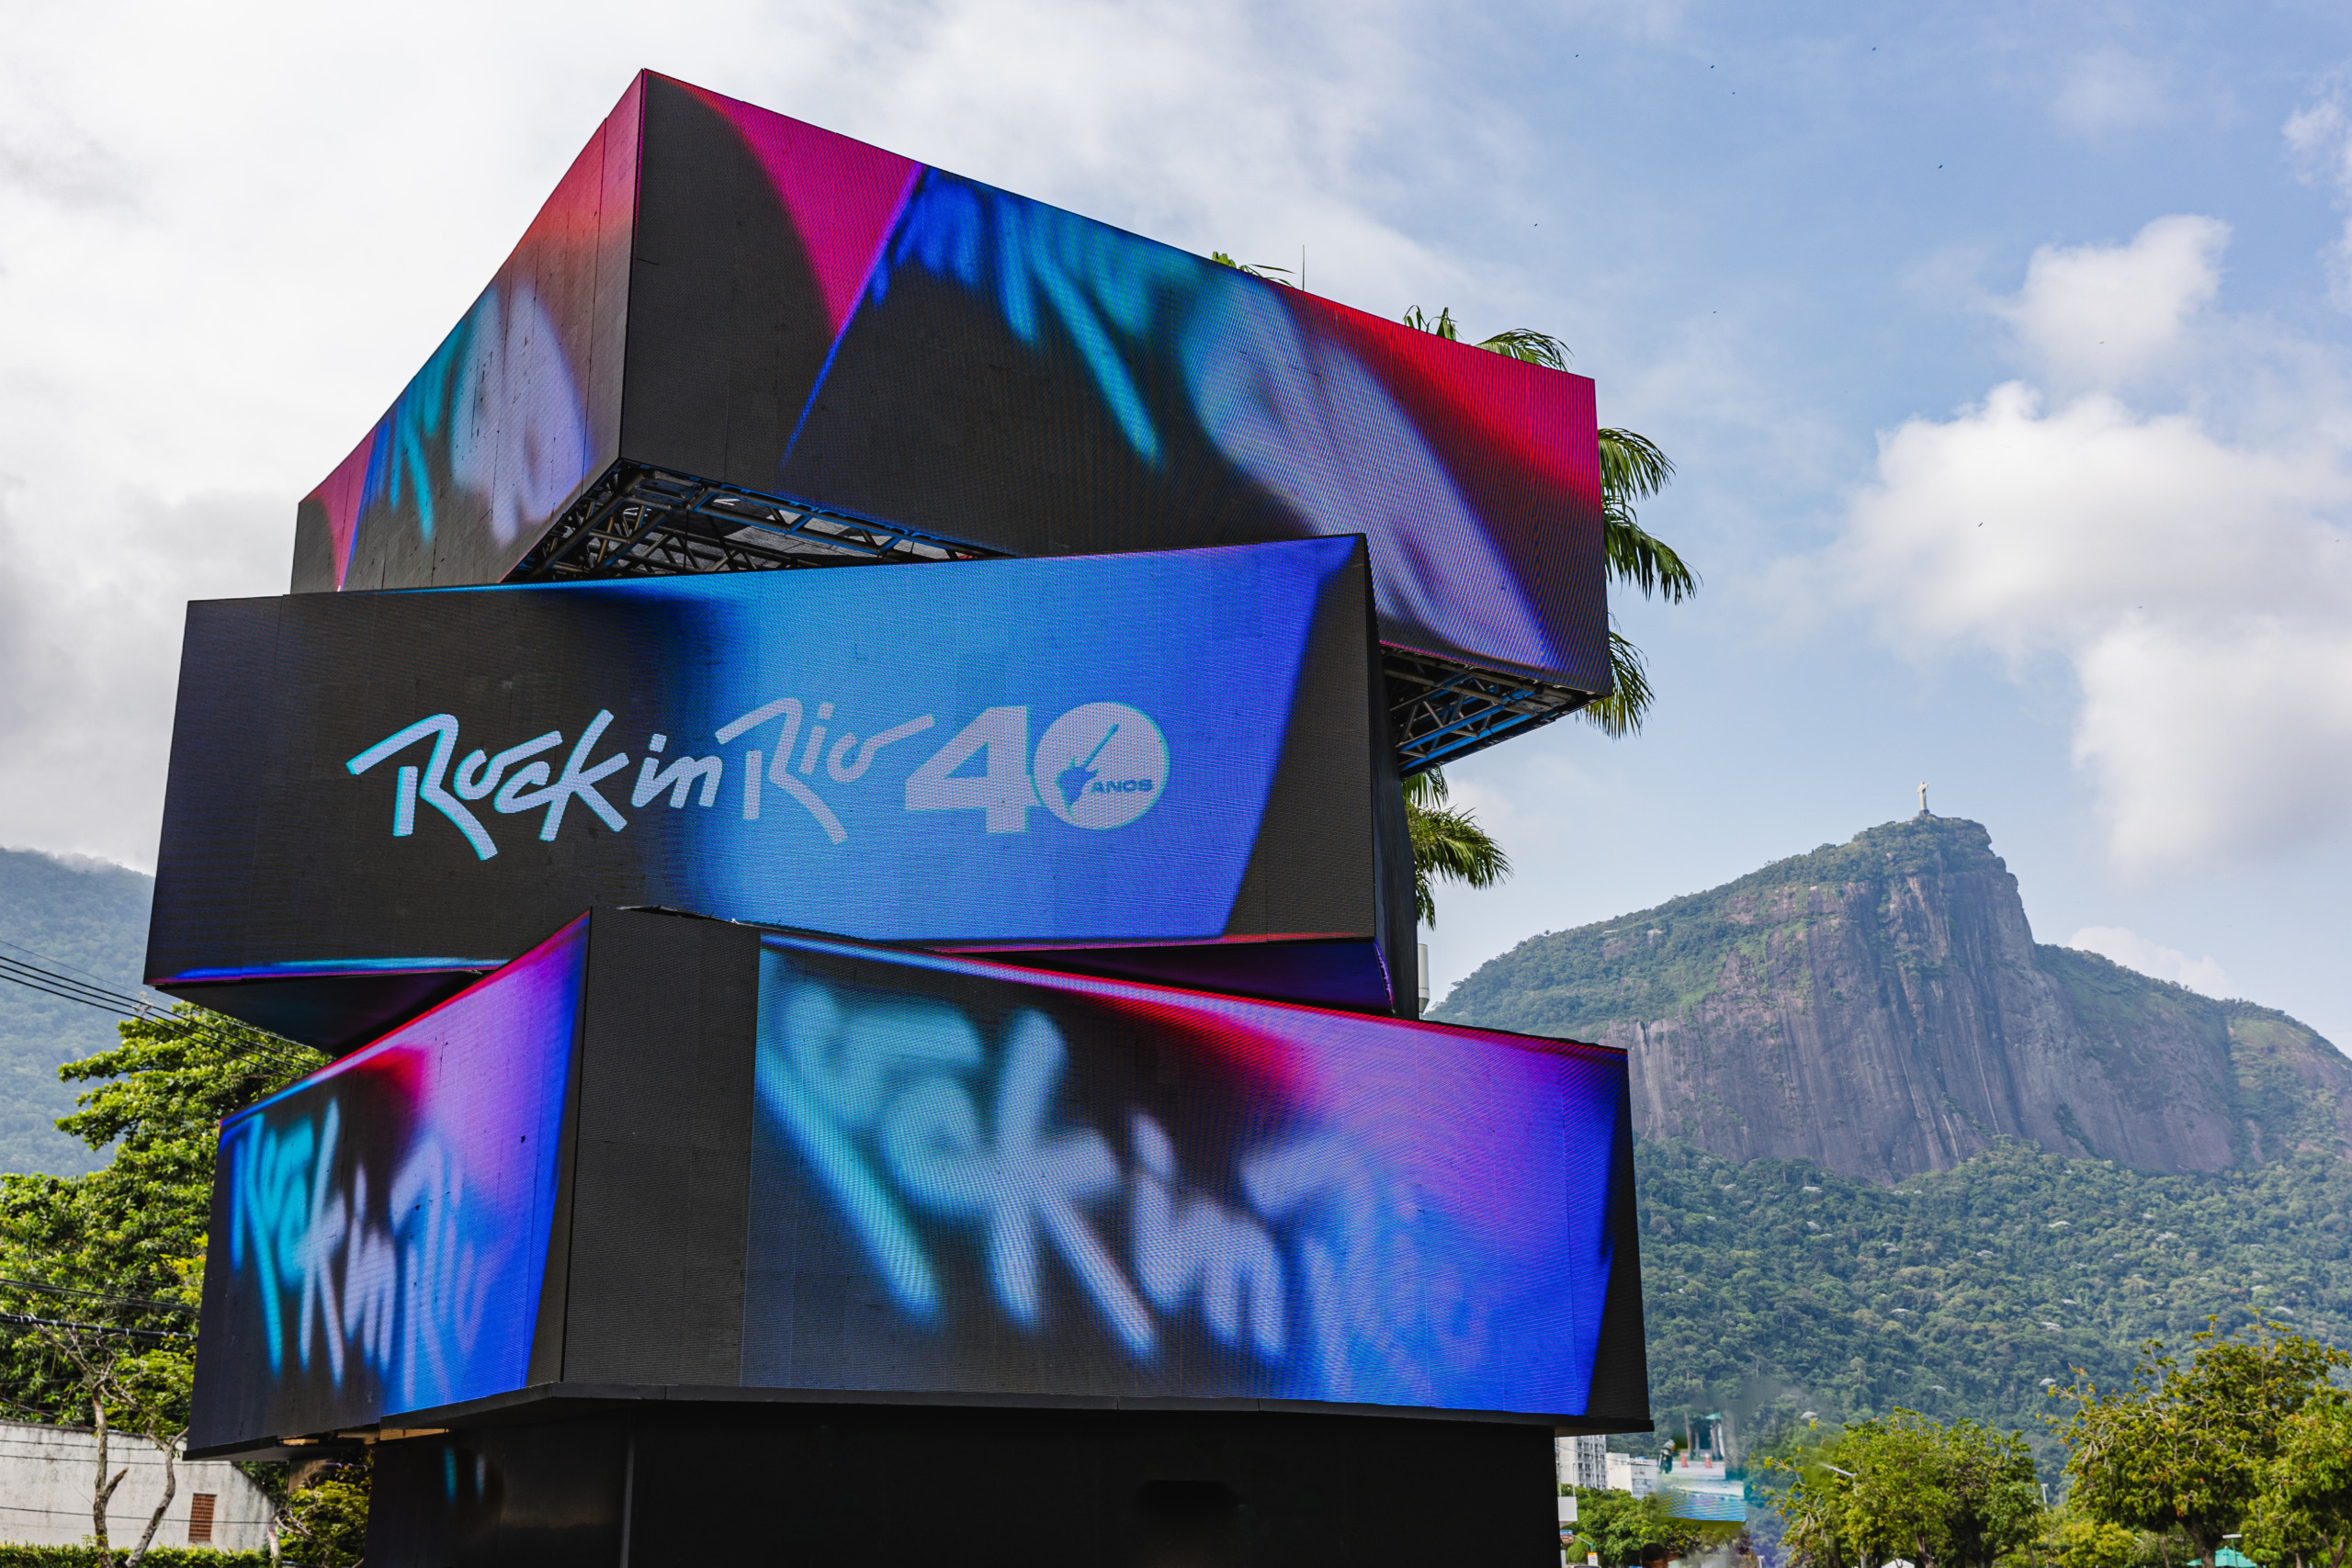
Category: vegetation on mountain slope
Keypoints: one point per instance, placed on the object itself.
(1773, 1289)
(90, 918)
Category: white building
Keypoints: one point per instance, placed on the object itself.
(1636, 1473)
(1578, 1460)
(47, 1481)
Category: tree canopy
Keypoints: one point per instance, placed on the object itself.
(2304, 1510)
(2191, 1448)
(1944, 1496)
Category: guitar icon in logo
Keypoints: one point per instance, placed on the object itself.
(1102, 765)
(1072, 781)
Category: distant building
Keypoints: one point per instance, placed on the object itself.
(45, 1493)
(1632, 1472)
(1581, 1462)
(1701, 1487)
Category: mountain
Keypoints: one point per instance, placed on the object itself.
(1896, 1153)
(1880, 1009)
(89, 919)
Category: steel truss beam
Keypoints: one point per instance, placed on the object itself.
(1440, 711)
(641, 521)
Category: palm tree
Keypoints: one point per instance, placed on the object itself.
(1633, 469)
(1448, 843)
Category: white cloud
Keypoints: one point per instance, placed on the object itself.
(227, 237)
(2320, 137)
(2196, 580)
(2109, 90)
(2106, 315)
(2134, 951)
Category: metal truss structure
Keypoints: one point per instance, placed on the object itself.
(1440, 710)
(642, 521)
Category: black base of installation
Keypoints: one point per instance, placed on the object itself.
(913, 1486)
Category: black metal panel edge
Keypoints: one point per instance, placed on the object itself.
(1621, 1371)
(547, 1328)
(1319, 830)
(664, 1148)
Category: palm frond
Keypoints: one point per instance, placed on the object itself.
(1447, 843)
(1441, 324)
(1632, 465)
(1632, 469)
(1620, 713)
(1527, 343)
(1271, 274)
(1634, 555)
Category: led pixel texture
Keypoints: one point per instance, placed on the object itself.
(970, 1181)
(1013, 751)
(379, 1229)
(899, 343)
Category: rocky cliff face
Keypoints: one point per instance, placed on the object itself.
(1881, 1007)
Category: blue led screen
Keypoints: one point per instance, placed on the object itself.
(971, 1181)
(380, 1228)
(1133, 749)
(903, 344)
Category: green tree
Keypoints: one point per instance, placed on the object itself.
(325, 1518)
(102, 1271)
(1618, 1525)
(2188, 1449)
(2305, 1509)
(2072, 1539)
(1448, 843)
(1960, 1495)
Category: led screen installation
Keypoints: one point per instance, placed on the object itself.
(897, 342)
(970, 1181)
(511, 417)
(1175, 747)
(380, 1228)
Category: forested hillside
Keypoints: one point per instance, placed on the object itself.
(85, 916)
(1774, 1287)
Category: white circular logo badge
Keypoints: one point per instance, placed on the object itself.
(1101, 765)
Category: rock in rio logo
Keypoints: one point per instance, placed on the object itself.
(1101, 765)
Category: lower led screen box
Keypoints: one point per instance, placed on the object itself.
(1171, 765)
(671, 1160)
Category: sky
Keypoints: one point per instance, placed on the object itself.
(2001, 349)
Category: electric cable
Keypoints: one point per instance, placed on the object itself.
(96, 1295)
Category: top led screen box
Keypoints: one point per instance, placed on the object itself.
(673, 1158)
(1172, 761)
(720, 294)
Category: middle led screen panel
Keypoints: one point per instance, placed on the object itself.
(1149, 749)
(967, 1181)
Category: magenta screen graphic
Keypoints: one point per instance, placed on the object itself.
(894, 342)
(380, 1228)
(971, 1180)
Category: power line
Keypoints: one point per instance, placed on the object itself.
(21, 1319)
(96, 1296)
(52, 963)
(33, 977)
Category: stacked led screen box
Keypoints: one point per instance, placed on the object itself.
(720, 304)
(373, 797)
(658, 1154)
(832, 778)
